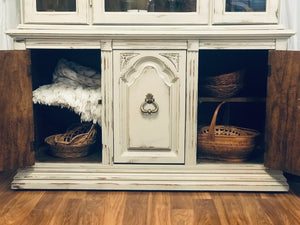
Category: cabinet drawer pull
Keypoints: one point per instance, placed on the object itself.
(149, 100)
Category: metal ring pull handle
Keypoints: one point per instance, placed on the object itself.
(149, 100)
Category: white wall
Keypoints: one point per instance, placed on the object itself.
(10, 17)
(290, 18)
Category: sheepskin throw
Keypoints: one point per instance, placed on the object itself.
(74, 87)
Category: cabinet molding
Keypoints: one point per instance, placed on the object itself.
(204, 177)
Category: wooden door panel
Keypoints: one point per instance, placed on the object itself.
(16, 119)
(283, 112)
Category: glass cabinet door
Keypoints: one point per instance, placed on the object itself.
(56, 6)
(246, 5)
(55, 11)
(150, 5)
(151, 11)
(245, 11)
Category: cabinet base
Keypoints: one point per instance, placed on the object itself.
(204, 177)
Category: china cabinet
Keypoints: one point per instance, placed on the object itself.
(154, 57)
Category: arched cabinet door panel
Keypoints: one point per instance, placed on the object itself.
(283, 112)
(16, 120)
(149, 106)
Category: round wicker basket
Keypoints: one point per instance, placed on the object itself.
(227, 143)
(225, 85)
(74, 143)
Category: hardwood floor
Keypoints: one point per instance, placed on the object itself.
(146, 208)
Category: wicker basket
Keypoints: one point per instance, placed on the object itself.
(75, 143)
(225, 85)
(227, 143)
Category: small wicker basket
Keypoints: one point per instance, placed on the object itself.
(225, 85)
(227, 143)
(75, 143)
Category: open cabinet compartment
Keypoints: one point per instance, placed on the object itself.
(50, 120)
(247, 107)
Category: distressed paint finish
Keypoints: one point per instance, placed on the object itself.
(191, 103)
(108, 33)
(204, 177)
(149, 138)
(107, 102)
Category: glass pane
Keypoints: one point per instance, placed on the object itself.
(150, 5)
(56, 5)
(246, 5)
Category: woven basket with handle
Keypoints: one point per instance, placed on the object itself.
(76, 142)
(228, 143)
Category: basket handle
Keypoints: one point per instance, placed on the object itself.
(88, 135)
(212, 126)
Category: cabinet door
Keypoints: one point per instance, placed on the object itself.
(55, 12)
(151, 12)
(149, 106)
(246, 11)
(16, 120)
(283, 112)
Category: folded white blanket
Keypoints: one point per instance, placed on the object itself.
(69, 92)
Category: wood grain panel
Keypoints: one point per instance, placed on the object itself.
(136, 208)
(283, 112)
(16, 120)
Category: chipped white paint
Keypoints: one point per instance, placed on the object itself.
(204, 177)
(143, 137)
(107, 102)
(167, 46)
(191, 103)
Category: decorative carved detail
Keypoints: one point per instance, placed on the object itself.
(125, 58)
(173, 58)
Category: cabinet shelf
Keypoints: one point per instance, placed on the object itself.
(235, 99)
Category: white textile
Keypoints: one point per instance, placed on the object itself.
(74, 87)
(83, 101)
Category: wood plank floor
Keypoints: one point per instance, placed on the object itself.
(146, 208)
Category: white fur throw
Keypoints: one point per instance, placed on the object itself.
(72, 93)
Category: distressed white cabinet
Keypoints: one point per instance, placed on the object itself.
(149, 106)
(164, 12)
(153, 56)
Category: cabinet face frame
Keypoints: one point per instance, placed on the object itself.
(201, 16)
(31, 15)
(271, 16)
(161, 73)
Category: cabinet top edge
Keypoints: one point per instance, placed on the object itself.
(151, 32)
